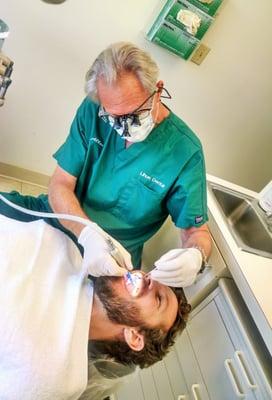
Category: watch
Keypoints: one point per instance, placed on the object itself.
(204, 259)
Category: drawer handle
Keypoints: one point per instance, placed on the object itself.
(244, 368)
(182, 397)
(195, 391)
(237, 387)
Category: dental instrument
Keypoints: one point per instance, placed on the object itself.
(115, 253)
(134, 282)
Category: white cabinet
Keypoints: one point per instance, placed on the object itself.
(196, 388)
(214, 351)
(220, 356)
(162, 381)
(132, 390)
(230, 353)
(251, 356)
(212, 346)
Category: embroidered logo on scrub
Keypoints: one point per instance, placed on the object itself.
(198, 219)
(152, 179)
(94, 139)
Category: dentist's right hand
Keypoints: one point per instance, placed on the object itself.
(98, 260)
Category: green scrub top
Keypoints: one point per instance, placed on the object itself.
(129, 192)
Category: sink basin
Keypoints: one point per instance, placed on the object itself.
(244, 219)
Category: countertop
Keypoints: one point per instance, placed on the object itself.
(251, 273)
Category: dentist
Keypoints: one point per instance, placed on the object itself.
(127, 164)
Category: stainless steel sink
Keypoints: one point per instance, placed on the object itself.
(245, 220)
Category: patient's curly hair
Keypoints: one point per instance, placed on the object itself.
(157, 341)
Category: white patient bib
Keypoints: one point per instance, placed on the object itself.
(45, 308)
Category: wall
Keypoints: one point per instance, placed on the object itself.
(227, 100)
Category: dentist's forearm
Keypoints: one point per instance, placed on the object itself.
(197, 237)
(63, 200)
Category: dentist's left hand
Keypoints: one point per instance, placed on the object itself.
(178, 267)
(97, 258)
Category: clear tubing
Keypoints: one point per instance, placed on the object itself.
(115, 253)
(75, 218)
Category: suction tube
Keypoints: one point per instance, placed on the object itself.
(68, 217)
(115, 253)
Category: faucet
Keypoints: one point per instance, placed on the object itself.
(265, 203)
(268, 220)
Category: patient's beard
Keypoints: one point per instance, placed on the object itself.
(118, 310)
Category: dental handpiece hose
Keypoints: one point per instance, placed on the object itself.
(115, 253)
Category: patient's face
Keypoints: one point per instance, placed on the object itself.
(155, 307)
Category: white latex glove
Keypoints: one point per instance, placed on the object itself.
(178, 267)
(97, 259)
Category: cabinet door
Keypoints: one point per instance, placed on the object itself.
(148, 384)
(253, 358)
(190, 368)
(215, 354)
(176, 376)
(162, 381)
(131, 390)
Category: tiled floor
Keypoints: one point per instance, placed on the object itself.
(7, 184)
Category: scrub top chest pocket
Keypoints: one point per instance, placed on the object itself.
(141, 201)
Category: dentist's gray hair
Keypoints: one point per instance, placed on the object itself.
(118, 58)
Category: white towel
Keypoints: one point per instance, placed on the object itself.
(45, 308)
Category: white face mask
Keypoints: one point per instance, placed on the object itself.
(135, 133)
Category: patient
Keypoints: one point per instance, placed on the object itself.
(51, 311)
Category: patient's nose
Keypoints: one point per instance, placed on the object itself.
(148, 282)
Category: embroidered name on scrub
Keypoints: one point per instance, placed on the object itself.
(152, 179)
(93, 139)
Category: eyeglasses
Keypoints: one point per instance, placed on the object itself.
(134, 118)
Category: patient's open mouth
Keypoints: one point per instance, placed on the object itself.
(135, 283)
